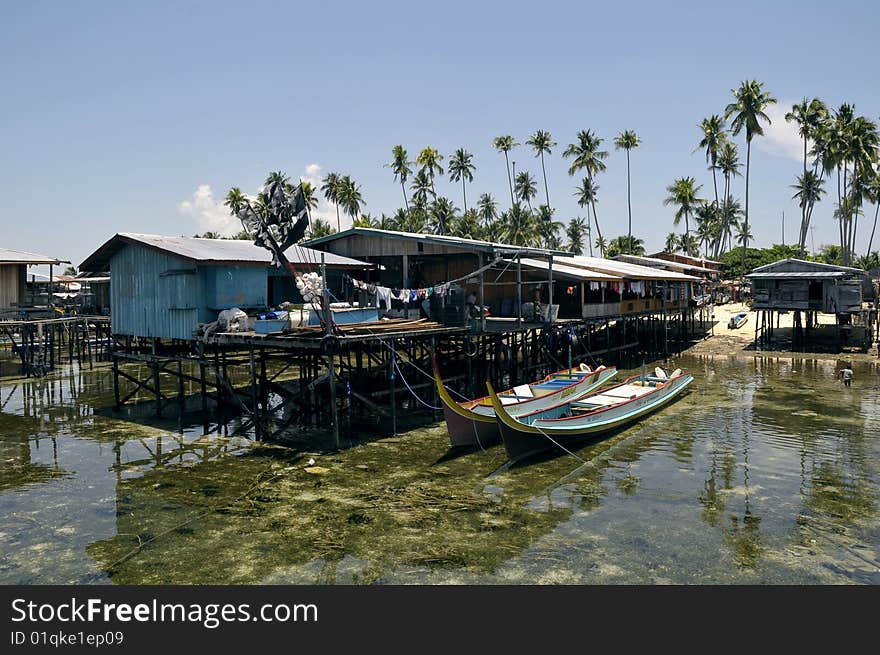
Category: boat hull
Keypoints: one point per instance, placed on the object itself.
(525, 439)
(467, 427)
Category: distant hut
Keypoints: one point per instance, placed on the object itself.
(13, 279)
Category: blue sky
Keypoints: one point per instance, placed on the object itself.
(132, 116)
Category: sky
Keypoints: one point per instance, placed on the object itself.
(139, 117)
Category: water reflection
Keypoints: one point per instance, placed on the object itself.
(766, 472)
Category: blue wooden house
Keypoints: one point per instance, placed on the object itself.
(163, 287)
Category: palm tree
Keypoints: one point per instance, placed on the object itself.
(488, 208)
(713, 140)
(728, 164)
(429, 159)
(310, 195)
(587, 156)
(742, 233)
(575, 234)
(461, 169)
(330, 187)
(542, 142)
(235, 200)
(747, 110)
(683, 192)
(586, 197)
(808, 192)
(671, 242)
(521, 228)
(400, 166)
(708, 228)
(366, 220)
(505, 144)
(442, 215)
(809, 116)
(601, 244)
(422, 188)
(625, 244)
(320, 228)
(525, 187)
(687, 243)
(350, 197)
(627, 140)
(874, 196)
(468, 226)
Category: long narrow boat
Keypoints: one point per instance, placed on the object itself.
(472, 422)
(593, 414)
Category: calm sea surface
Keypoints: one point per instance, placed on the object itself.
(766, 472)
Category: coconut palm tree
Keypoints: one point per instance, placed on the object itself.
(742, 233)
(461, 169)
(365, 220)
(422, 188)
(708, 225)
(468, 226)
(687, 243)
(430, 160)
(235, 200)
(808, 192)
(505, 144)
(587, 156)
(400, 166)
(729, 165)
(809, 115)
(627, 140)
(575, 232)
(521, 227)
(625, 245)
(601, 244)
(525, 188)
(320, 228)
(671, 244)
(683, 193)
(586, 197)
(330, 187)
(542, 142)
(874, 196)
(713, 140)
(310, 195)
(747, 111)
(442, 215)
(350, 197)
(487, 208)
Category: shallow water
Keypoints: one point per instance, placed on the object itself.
(766, 471)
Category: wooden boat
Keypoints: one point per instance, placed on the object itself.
(472, 422)
(593, 414)
(738, 320)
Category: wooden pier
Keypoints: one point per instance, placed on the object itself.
(373, 373)
(43, 344)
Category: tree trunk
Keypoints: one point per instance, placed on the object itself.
(338, 222)
(629, 208)
(598, 230)
(871, 240)
(405, 199)
(746, 234)
(546, 189)
(509, 179)
(464, 195)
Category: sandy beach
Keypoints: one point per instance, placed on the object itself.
(723, 340)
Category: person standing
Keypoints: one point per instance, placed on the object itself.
(847, 375)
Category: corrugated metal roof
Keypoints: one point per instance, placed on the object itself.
(648, 261)
(814, 265)
(570, 271)
(627, 270)
(802, 275)
(217, 251)
(440, 239)
(8, 256)
(677, 256)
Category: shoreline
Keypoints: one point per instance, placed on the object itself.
(723, 341)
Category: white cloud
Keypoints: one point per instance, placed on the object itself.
(780, 137)
(207, 213)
